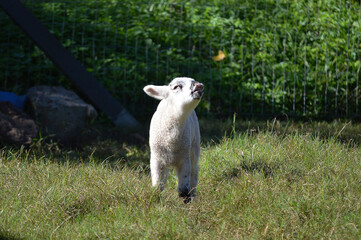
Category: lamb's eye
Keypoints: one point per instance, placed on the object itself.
(177, 87)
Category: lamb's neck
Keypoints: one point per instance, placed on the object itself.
(178, 117)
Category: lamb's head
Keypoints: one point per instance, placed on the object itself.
(182, 92)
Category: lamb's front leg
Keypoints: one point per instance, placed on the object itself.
(159, 173)
(184, 173)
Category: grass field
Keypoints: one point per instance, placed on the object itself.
(258, 180)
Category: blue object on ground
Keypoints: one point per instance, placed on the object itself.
(18, 101)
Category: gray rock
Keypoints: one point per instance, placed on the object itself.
(61, 113)
(16, 127)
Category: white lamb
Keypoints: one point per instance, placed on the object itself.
(174, 136)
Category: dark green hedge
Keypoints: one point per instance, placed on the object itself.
(294, 57)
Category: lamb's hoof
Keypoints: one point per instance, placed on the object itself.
(187, 200)
(186, 197)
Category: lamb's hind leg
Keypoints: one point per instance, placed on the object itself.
(159, 173)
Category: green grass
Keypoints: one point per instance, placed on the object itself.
(261, 180)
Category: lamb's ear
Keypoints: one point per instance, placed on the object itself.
(157, 92)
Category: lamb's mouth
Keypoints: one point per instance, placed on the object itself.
(197, 94)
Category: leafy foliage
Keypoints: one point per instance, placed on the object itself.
(292, 57)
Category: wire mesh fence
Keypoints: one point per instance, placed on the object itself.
(256, 58)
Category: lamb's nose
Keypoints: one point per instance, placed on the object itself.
(198, 86)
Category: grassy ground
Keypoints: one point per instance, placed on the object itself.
(258, 180)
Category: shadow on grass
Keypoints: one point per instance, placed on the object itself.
(346, 132)
(97, 144)
(7, 236)
(102, 143)
(267, 170)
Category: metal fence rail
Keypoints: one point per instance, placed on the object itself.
(276, 62)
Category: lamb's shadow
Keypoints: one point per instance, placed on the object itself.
(268, 170)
